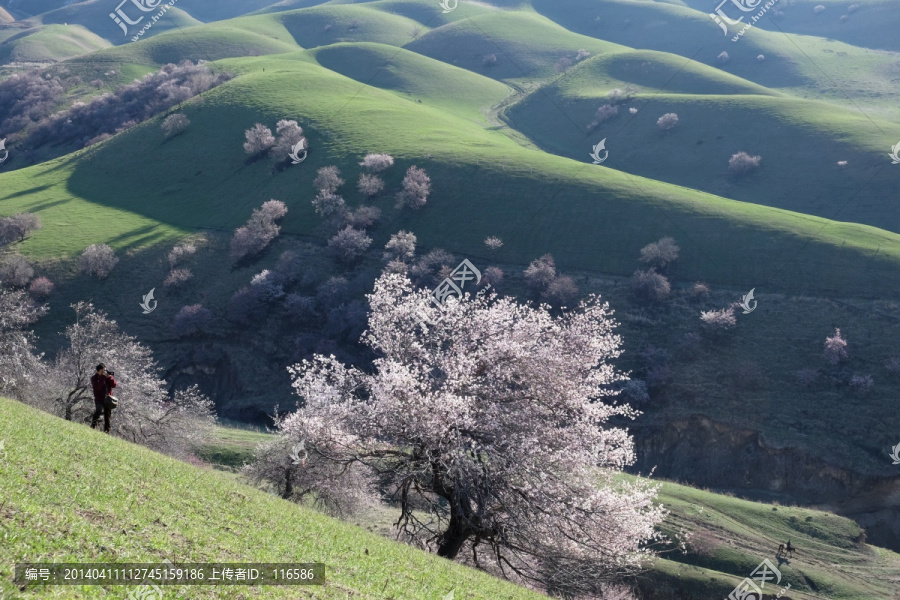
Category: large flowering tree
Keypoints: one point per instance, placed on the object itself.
(488, 429)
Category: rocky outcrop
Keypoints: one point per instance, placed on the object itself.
(704, 453)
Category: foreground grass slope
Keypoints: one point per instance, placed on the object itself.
(70, 494)
(727, 538)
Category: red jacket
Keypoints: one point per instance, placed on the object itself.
(103, 386)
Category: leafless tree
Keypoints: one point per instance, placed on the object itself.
(742, 163)
(370, 185)
(377, 162)
(328, 179)
(17, 227)
(661, 253)
(401, 246)
(15, 271)
(259, 139)
(349, 244)
(175, 124)
(191, 319)
(416, 187)
(97, 260)
(835, 348)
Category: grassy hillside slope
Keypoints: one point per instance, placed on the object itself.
(590, 217)
(52, 43)
(59, 502)
(728, 538)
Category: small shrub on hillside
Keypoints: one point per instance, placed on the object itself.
(667, 122)
(15, 271)
(742, 163)
(852, 8)
(288, 133)
(299, 308)
(349, 244)
(363, 217)
(97, 260)
(328, 204)
(761, 58)
(260, 230)
(180, 253)
(717, 321)
(191, 319)
(660, 253)
(892, 364)
(493, 243)
(401, 246)
(582, 54)
(603, 114)
(377, 162)
(259, 139)
(370, 185)
(178, 277)
(289, 265)
(328, 179)
(633, 110)
(835, 348)
(659, 377)
(40, 288)
(244, 306)
(426, 270)
(635, 392)
(540, 274)
(334, 290)
(699, 290)
(561, 291)
(563, 64)
(415, 189)
(397, 267)
(489, 60)
(267, 286)
(819, 9)
(650, 285)
(862, 384)
(175, 124)
(493, 276)
(17, 227)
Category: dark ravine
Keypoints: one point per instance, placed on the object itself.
(704, 453)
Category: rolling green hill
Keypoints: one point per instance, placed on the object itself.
(50, 44)
(160, 189)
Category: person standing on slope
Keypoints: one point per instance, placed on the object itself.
(103, 384)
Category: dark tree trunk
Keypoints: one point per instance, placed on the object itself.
(453, 539)
(288, 486)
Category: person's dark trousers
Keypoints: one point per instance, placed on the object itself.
(98, 409)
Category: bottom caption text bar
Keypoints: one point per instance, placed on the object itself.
(28, 574)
